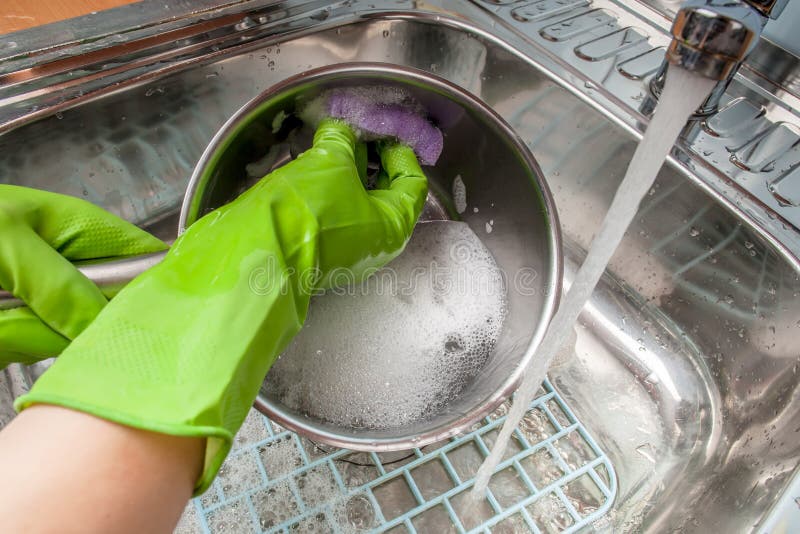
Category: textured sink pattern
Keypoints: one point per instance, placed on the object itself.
(685, 367)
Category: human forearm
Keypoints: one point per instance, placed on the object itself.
(66, 471)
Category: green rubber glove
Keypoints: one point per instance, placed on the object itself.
(184, 348)
(40, 233)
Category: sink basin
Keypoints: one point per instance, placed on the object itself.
(684, 366)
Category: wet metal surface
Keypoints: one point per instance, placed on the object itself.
(685, 368)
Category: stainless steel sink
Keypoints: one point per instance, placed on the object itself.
(686, 362)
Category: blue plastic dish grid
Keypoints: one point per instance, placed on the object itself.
(554, 478)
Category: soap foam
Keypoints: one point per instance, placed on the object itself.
(401, 346)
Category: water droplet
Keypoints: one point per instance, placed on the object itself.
(245, 24)
(322, 14)
(359, 511)
(771, 289)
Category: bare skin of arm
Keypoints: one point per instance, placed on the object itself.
(66, 471)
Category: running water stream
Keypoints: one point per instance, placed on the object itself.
(683, 93)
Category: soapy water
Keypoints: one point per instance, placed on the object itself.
(400, 347)
(350, 514)
(683, 93)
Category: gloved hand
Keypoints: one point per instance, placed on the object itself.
(40, 233)
(184, 348)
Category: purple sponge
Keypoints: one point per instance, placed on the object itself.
(385, 112)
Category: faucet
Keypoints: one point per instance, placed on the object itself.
(711, 38)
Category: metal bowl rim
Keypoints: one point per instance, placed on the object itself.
(552, 288)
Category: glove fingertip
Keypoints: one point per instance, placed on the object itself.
(400, 160)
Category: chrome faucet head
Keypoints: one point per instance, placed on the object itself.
(711, 37)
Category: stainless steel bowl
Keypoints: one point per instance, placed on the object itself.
(502, 180)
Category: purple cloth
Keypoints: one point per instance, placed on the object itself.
(395, 120)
